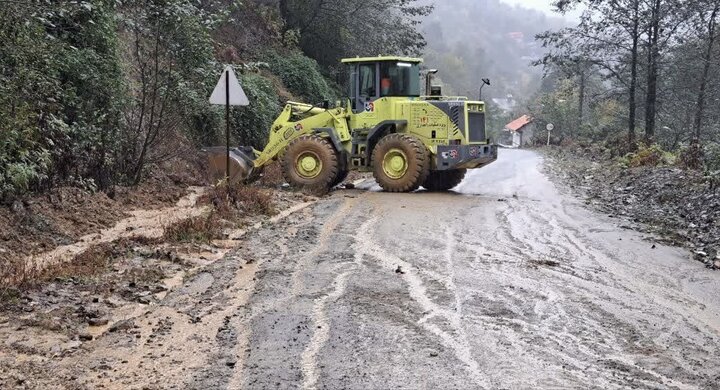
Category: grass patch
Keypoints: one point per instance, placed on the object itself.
(228, 202)
(200, 229)
(146, 275)
(17, 275)
(9, 294)
(231, 200)
(87, 264)
(647, 156)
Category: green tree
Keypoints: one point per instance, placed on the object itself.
(330, 30)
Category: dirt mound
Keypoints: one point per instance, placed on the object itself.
(682, 206)
(166, 183)
(61, 216)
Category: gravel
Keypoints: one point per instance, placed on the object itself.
(679, 205)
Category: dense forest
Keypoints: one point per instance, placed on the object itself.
(636, 74)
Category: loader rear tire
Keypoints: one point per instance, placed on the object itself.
(310, 162)
(444, 180)
(400, 163)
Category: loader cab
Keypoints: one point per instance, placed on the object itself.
(372, 78)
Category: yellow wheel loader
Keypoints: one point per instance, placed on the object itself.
(386, 127)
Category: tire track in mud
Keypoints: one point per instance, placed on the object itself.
(321, 328)
(329, 228)
(601, 259)
(365, 246)
(292, 293)
(321, 332)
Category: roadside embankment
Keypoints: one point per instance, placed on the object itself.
(681, 206)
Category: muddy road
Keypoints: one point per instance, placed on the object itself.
(506, 283)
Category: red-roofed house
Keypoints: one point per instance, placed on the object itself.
(521, 130)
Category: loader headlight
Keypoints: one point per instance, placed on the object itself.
(475, 108)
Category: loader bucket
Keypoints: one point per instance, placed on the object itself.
(241, 163)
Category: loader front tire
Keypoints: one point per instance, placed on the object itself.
(400, 163)
(310, 162)
(444, 180)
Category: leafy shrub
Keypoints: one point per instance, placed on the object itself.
(712, 157)
(652, 155)
(713, 180)
(690, 156)
(618, 144)
(60, 94)
(251, 125)
(301, 75)
(74, 108)
(712, 165)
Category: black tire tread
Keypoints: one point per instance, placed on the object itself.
(341, 176)
(444, 180)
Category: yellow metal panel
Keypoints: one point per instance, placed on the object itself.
(382, 58)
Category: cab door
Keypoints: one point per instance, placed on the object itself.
(366, 88)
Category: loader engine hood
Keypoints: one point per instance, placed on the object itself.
(468, 116)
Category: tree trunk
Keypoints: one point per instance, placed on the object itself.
(632, 103)
(284, 11)
(581, 95)
(707, 59)
(694, 160)
(653, 54)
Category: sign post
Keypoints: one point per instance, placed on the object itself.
(549, 128)
(228, 92)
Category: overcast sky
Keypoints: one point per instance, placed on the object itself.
(542, 5)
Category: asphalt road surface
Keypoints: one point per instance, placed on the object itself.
(507, 282)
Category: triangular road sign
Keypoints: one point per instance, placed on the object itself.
(237, 95)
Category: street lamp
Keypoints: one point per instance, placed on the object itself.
(484, 83)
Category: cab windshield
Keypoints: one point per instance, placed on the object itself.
(399, 79)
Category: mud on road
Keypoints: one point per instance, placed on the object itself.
(505, 283)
